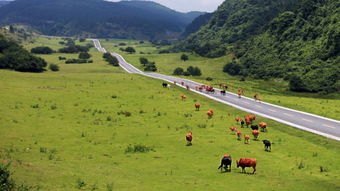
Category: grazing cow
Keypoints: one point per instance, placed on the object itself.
(250, 117)
(226, 163)
(197, 106)
(188, 88)
(254, 127)
(210, 114)
(188, 137)
(239, 93)
(232, 129)
(209, 89)
(246, 139)
(257, 98)
(223, 92)
(246, 162)
(247, 121)
(200, 88)
(242, 123)
(224, 86)
(239, 134)
(183, 97)
(267, 145)
(165, 85)
(263, 126)
(237, 119)
(182, 83)
(255, 134)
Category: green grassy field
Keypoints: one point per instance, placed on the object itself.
(69, 130)
(272, 91)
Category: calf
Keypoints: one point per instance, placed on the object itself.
(246, 162)
(183, 97)
(225, 163)
(267, 145)
(242, 123)
(263, 126)
(210, 114)
(188, 137)
(246, 139)
(254, 127)
(239, 134)
(164, 85)
(232, 129)
(197, 106)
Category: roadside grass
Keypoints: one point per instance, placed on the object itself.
(101, 131)
(274, 91)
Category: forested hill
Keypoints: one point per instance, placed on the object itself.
(197, 24)
(99, 18)
(298, 40)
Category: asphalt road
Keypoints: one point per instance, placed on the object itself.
(309, 122)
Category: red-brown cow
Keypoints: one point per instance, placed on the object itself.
(256, 134)
(239, 134)
(246, 139)
(263, 126)
(210, 114)
(197, 106)
(188, 88)
(188, 137)
(232, 129)
(183, 97)
(246, 162)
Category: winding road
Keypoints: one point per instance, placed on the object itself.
(326, 127)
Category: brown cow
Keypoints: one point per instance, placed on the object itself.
(188, 88)
(239, 134)
(263, 126)
(237, 119)
(188, 137)
(182, 83)
(197, 106)
(232, 129)
(255, 134)
(210, 114)
(246, 162)
(246, 139)
(183, 97)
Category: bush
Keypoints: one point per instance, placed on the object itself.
(42, 50)
(184, 57)
(138, 148)
(54, 67)
(178, 71)
(143, 61)
(151, 67)
(296, 84)
(130, 50)
(209, 79)
(194, 71)
(75, 61)
(164, 52)
(111, 59)
(232, 68)
(62, 58)
(84, 55)
(122, 44)
(74, 49)
(6, 182)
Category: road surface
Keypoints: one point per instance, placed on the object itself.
(309, 122)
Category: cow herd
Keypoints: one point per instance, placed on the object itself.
(247, 122)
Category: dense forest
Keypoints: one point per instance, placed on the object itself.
(14, 57)
(196, 24)
(297, 40)
(98, 18)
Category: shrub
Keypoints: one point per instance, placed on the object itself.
(62, 58)
(75, 61)
(138, 148)
(178, 71)
(84, 55)
(232, 68)
(42, 50)
(209, 79)
(296, 84)
(150, 67)
(6, 182)
(164, 52)
(122, 44)
(111, 59)
(143, 61)
(54, 67)
(74, 49)
(80, 183)
(184, 57)
(194, 71)
(130, 50)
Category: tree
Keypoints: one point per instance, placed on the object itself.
(111, 59)
(42, 50)
(6, 182)
(130, 50)
(194, 71)
(54, 67)
(178, 71)
(296, 84)
(151, 66)
(84, 55)
(232, 68)
(184, 57)
(143, 61)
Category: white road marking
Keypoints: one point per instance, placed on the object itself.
(307, 120)
(328, 126)
(245, 102)
(272, 110)
(288, 114)
(258, 106)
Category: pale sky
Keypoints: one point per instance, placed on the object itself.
(189, 5)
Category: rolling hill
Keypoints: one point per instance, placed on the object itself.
(98, 18)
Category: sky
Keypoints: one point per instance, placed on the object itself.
(189, 5)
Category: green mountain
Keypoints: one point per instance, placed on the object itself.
(97, 18)
(196, 24)
(296, 40)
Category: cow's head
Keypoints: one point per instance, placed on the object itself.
(237, 164)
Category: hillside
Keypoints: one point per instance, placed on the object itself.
(132, 19)
(197, 24)
(281, 39)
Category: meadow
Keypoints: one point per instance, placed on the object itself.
(77, 129)
(274, 91)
